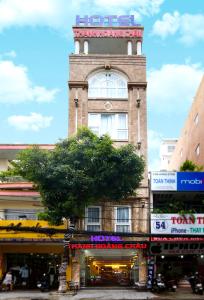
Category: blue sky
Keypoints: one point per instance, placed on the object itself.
(36, 39)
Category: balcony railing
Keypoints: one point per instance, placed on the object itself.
(12, 179)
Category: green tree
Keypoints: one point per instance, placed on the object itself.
(189, 165)
(80, 171)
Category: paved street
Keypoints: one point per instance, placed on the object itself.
(103, 294)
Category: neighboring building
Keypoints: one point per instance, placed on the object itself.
(19, 205)
(177, 219)
(166, 150)
(107, 93)
(190, 144)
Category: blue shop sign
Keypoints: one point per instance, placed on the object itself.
(190, 181)
(177, 181)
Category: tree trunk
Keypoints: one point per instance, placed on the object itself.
(65, 260)
(62, 272)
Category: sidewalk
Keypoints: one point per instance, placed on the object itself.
(103, 294)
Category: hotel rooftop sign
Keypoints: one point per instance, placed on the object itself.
(109, 21)
(107, 26)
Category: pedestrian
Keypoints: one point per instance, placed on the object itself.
(8, 282)
(24, 273)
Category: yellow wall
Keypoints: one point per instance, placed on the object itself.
(4, 234)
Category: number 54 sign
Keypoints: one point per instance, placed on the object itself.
(160, 225)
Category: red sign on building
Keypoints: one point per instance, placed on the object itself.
(118, 33)
(108, 246)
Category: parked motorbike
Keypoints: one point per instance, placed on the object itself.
(196, 284)
(44, 283)
(158, 284)
(140, 285)
(171, 285)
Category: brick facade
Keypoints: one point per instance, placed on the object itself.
(192, 134)
(134, 68)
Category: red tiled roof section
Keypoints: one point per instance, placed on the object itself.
(25, 146)
(16, 185)
(19, 193)
(18, 189)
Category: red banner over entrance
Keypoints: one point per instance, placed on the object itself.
(108, 246)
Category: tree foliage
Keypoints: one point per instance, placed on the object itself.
(80, 171)
(189, 165)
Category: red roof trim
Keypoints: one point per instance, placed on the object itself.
(25, 146)
(19, 193)
(17, 185)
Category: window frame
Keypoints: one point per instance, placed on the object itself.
(196, 119)
(106, 91)
(98, 128)
(92, 223)
(171, 147)
(129, 223)
(197, 150)
(14, 214)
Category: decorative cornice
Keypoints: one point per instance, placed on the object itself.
(78, 84)
(137, 84)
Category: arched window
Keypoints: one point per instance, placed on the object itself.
(86, 47)
(77, 47)
(129, 48)
(107, 85)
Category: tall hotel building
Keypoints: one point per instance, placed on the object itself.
(107, 93)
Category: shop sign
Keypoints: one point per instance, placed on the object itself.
(150, 271)
(111, 20)
(177, 181)
(105, 238)
(177, 224)
(13, 234)
(105, 246)
(163, 181)
(99, 33)
(176, 248)
(190, 181)
(177, 239)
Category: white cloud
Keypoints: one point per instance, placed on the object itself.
(59, 14)
(16, 86)
(154, 143)
(11, 54)
(172, 87)
(189, 27)
(142, 7)
(154, 140)
(154, 165)
(167, 26)
(33, 122)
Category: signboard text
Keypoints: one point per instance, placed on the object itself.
(98, 20)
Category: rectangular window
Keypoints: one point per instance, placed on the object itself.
(197, 150)
(115, 125)
(11, 214)
(196, 119)
(93, 218)
(122, 219)
(171, 148)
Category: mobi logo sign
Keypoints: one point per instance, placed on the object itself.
(190, 181)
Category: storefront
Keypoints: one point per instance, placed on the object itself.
(108, 263)
(177, 224)
(28, 255)
(178, 258)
